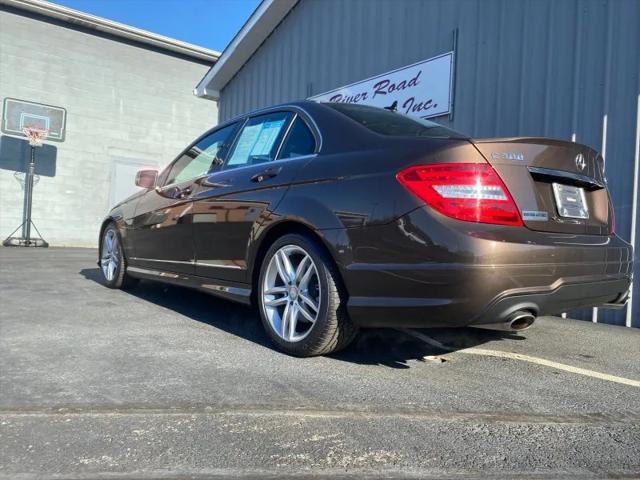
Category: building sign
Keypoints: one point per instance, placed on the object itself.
(421, 90)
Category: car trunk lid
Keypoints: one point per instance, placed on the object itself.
(558, 186)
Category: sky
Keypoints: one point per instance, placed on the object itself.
(208, 23)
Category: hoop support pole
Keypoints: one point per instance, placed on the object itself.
(25, 240)
(28, 196)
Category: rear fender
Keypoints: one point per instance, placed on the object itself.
(308, 211)
(302, 215)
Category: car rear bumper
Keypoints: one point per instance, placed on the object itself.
(428, 312)
(405, 275)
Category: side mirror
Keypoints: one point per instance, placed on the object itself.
(146, 178)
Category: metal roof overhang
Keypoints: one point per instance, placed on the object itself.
(253, 33)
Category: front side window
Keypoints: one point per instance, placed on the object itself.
(386, 122)
(299, 142)
(259, 139)
(202, 156)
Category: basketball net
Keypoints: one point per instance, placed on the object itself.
(35, 135)
(21, 178)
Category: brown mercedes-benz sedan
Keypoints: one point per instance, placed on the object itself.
(330, 217)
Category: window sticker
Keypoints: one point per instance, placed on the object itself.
(256, 140)
(245, 144)
(267, 137)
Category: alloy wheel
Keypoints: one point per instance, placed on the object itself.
(110, 255)
(291, 293)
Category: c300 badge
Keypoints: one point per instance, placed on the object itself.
(507, 156)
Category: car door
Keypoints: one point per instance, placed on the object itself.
(229, 203)
(163, 219)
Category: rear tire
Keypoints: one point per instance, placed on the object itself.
(302, 304)
(113, 264)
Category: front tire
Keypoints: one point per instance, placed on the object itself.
(301, 302)
(113, 265)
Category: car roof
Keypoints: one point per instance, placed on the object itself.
(301, 104)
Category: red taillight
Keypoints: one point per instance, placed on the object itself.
(466, 191)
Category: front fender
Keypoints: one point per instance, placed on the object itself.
(116, 216)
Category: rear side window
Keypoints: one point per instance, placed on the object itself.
(386, 122)
(259, 139)
(299, 142)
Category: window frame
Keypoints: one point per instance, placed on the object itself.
(296, 112)
(163, 176)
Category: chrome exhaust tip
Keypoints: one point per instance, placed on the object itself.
(516, 322)
(521, 321)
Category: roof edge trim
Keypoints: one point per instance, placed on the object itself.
(116, 29)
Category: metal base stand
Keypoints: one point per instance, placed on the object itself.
(25, 240)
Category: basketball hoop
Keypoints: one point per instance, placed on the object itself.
(35, 135)
(36, 122)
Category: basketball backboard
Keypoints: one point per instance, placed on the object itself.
(18, 114)
(15, 154)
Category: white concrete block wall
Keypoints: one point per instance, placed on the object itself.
(124, 104)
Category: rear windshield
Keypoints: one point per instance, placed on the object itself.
(386, 122)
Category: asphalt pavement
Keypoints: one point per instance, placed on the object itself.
(164, 382)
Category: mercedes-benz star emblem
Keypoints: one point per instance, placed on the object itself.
(580, 162)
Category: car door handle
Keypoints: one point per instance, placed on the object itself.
(222, 184)
(266, 174)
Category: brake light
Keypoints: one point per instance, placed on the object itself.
(472, 192)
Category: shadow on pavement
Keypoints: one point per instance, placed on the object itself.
(376, 346)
